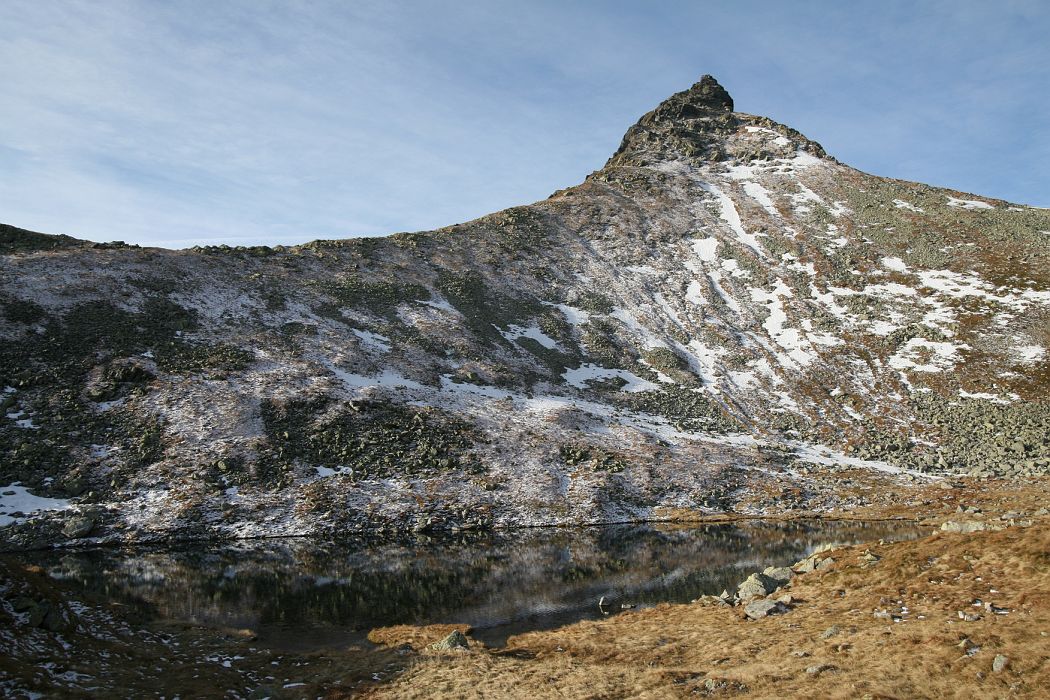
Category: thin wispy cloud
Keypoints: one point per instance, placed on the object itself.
(273, 122)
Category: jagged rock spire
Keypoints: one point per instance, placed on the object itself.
(707, 94)
(691, 122)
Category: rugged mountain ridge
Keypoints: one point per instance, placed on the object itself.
(721, 319)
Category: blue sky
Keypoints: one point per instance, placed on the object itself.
(242, 122)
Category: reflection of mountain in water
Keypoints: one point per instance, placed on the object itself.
(309, 594)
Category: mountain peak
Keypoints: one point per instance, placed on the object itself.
(700, 125)
(705, 94)
(690, 122)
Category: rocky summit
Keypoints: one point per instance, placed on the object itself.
(722, 319)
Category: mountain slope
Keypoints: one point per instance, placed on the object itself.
(677, 334)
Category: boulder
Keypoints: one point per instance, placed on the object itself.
(453, 641)
(964, 526)
(708, 600)
(755, 586)
(781, 574)
(758, 609)
(78, 527)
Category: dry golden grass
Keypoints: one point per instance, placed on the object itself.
(674, 651)
(417, 637)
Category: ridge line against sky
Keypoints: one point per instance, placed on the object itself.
(257, 122)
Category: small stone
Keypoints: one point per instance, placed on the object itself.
(819, 669)
(830, 632)
(22, 603)
(1000, 663)
(824, 563)
(805, 566)
(455, 640)
(708, 600)
(76, 528)
(968, 616)
(869, 557)
(38, 613)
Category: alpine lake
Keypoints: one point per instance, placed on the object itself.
(302, 595)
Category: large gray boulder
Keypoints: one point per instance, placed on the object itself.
(755, 586)
(758, 609)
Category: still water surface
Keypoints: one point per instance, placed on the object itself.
(300, 595)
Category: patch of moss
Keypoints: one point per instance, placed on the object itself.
(600, 342)
(554, 325)
(595, 302)
(484, 309)
(551, 358)
(22, 311)
(902, 335)
(293, 328)
(118, 379)
(381, 297)
(521, 229)
(595, 458)
(686, 409)
(370, 439)
(180, 357)
(87, 334)
(19, 240)
(672, 364)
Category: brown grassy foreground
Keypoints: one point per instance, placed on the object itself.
(676, 651)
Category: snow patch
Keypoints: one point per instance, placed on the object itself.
(731, 216)
(695, 293)
(901, 204)
(649, 339)
(576, 317)
(761, 195)
(440, 304)
(375, 340)
(799, 349)
(968, 203)
(895, 264)
(514, 332)
(706, 249)
(984, 396)
(16, 498)
(940, 356)
(387, 378)
(1029, 354)
(583, 374)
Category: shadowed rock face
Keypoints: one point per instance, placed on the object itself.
(705, 95)
(677, 334)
